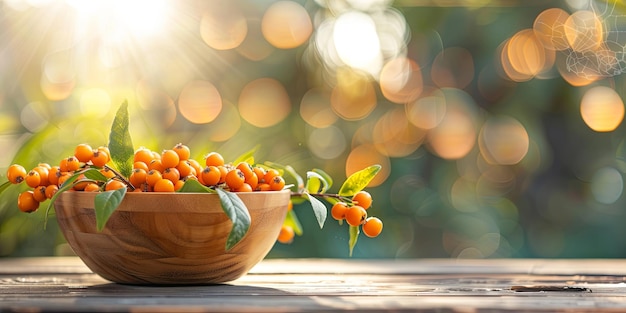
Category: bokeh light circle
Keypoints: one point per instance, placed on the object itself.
(264, 102)
(602, 109)
(286, 25)
(549, 26)
(327, 143)
(354, 96)
(401, 80)
(607, 185)
(200, 102)
(455, 136)
(426, 112)
(503, 140)
(584, 31)
(223, 26)
(315, 108)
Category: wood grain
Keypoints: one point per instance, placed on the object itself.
(331, 285)
(170, 238)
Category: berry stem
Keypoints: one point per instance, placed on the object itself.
(121, 177)
(323, 195)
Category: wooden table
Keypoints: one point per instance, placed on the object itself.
(294, 285)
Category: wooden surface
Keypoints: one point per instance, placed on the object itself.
(297, 285)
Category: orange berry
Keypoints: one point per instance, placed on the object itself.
(152, 177)
(143, 155)
(142, 165)
(32, 179)
(63, 176)
(43, 174)
(72, 164)
(91, 187)
(269, 175)
(178, 184)
(184, 168)
(260, 173)
(16, 173)
(197, 168)
(372, 227)
(99, 158)
(235, 179)
(137, 177)
(286, 234)
(356, 215)
(223, 173)
(164, 185)
(172, 174)
(106, 150)
(80, 183)
(156, 164)
(107, 172)
(51, 190)
(277, 183)
(210, 175)
(214, 159)
(182, 151)
(46, 165)
(39, 194)
(339, 210)
(53, 175)
(244, 188)
(114, 184)
(263, 187)
(169, 158)
(83, 152)
(362, 199)
(26, 202)
(252, 180)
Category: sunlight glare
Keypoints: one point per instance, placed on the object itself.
(141, 18)
(357, 42)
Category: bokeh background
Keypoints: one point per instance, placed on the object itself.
(498, 123)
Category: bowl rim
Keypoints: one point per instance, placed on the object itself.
(149, 201)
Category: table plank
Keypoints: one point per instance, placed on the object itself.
(285, 285)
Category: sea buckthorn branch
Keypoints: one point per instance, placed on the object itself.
(118, 168)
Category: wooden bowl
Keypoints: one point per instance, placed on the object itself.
(170, 238)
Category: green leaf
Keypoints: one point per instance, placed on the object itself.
(238, 214)
(359, 180)
(120, 143)
(319, 209)
(354, 236)
(94, 174)
(292, 220)
(105, 204)
(247, 156)
(64, 187)
(192, 185)
(327, 178)
(315, 183)
(5, 185)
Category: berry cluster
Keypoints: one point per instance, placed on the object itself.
(167, 171)
(355, 214)
(152, 172)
